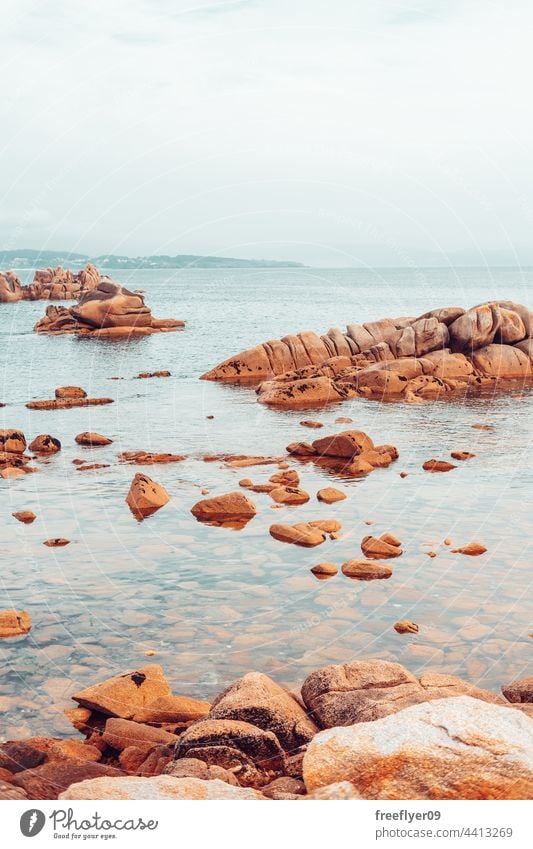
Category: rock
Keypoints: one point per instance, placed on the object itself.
(170, 710)
(519, 692)
(10, 288)
(330, 495)
(194, 768)
(381, 548)
(405, 626)
(147, 458)
(56, 542)
(348, 444)
(146, 496)
(290, 477)
(438, 466)
(366, 570)
(255, 755)
(322, 571)
(232, 510)
(12, 472)
(474, 549)
(14, 623)
(25, 516)
(125, 695)
(67, 403)
(284, 788)
(258, 700)
(16, 756)
(303, 533)
(8, 791)
(92, 440)
(502, 362)
(456, 748)
(70, 392)
(300, 449)
(157, 787)
(462, 455)
(121, 733)
(45, 444)
(145, 374)
(475, 328)
(312, 424)
(12, 441)
(144, 759)
(289, 495)
(51, 779)
(341, 790)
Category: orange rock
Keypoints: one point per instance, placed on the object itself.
(303, 534)
(323, 571)
(145, 496)
(349, 444)
(286, 478)
(14, 623)
(92, 440)
(56, 542)
(301, 449)
(289, 495)
(483, 427)
(405, 626)
(67, 403)
(462, 455)
(12, 441)
(70, 392)
(25, 516)
(366, 570)
(343, 420)
(232, 510)
(438, 466)
(474, 549)
(381, 548)
(167, 710)
(125, 695)
(312, 424)
(404, 474)
(330, 495)
(45, 444)
(146, 458)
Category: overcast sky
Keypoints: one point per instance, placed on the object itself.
(334, 132)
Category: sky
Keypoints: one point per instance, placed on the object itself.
(340, 133)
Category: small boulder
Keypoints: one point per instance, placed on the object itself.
(347, 444)
(381, 548)
(56, 542)
(311, 424)
(519, 692)
(438, 466)
(462, 455)
(125, 695)
(12, 441)
(25, 516)
(329, 495)
(92, 440)
(14, 623)
(303, 533)
(405, 626)
(232, 510)
(45, 444)
(366, 570)
(170, 710)
(146, 496)
(121, 733)
(289, 495)
(323, 571)
(473, 549)
(70, 392)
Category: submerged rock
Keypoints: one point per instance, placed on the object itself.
(92, 440)
(14, 623)
(474, 549)
(405, 626)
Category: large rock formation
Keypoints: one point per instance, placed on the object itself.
(412, 359)
(10, 288)
(109, 310)
(49, 284)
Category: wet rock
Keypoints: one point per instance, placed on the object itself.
(19, 755)
(301, 449)
(289, 495)
(255, 756)
(67, 403)
(474, 549)
(311, 424)
(462, 455)
(125, 695)
(258, 700)
(146, 374)
(51, 779)
(330, 495)
(121, 733)
(303, 533)
(519, 692)
(502, 362)
(381, 548)
(63, 392)
(10, 288)
(147, 458)
(45, 444)
(405, 626)
(366, 570)
(14, 623)
(438, 466)
(290, 477)
(146, 496)
(458, 748)
(92, 440)
(232, 510)
(12, 441)
(56, 542)
(323, 571)
(172, 709)
(157, 787)
(25, 516)
(347, 444)
(194, 768)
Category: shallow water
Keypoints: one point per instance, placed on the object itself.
(212, 602)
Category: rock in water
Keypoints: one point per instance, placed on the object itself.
(125, 695)
(92, 440)
(45, 444)
(519, 692)
(145, 496)
(232, 510)
(14, 623)
(457, 748)
(10, 288)
(366, 570)
(25, 516)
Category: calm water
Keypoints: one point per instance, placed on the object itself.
(214, 603)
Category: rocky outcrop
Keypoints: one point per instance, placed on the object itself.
(107, 311)
(10, 288)
(443, 352)
(458, 748)
(49, 284)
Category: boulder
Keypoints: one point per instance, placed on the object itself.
(70, 392)
(438, 466)
(45, 444)
(145, 496)
(502, 362)
(14, 623)
(51, 779)
(157, 787)
(92, 440)
(258, 700)
(121, 733)
(366, 570)
(170, 710)
(329, 495)
(475, 328)
(232, 510)
(289, 495)
(519, 692)
(25, 516)
(456, 748)
(16, 756)
(381, 548)
(405, 626)
(195, 768)
(303, 533)
(12, 441)
(323, 571)
(10, 288)
(125, 695)
(111, 305)
(347, 444)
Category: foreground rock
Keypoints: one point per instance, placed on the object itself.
(92, 440)
(14, 623)
(458, 748)
(363, 691)
(232, 510)
(519, 692)
(440, 354)
(107, 311)
(145, 496)
(51, 779)
(126, 695)
(158, 787)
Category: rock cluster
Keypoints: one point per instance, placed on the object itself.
(413, 359)
(351, 453)
(49, 284)
(368, 729)
(106, 311)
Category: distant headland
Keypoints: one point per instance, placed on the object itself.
(28, 258)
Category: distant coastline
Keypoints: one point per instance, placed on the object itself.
(28, 258)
